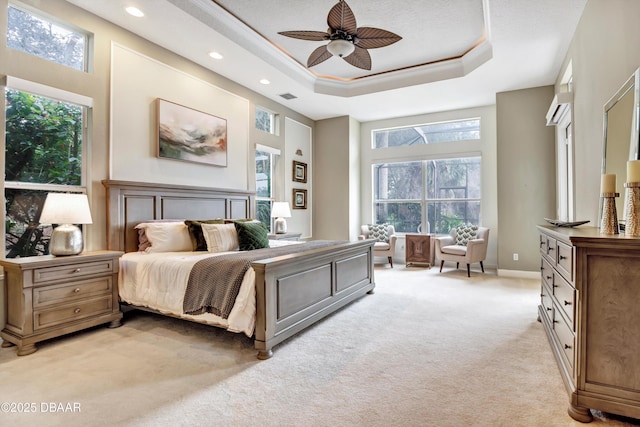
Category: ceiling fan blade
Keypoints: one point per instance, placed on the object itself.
(306, 35)
(371, 38)
(359, 58)
(319, 55)
(341, 17)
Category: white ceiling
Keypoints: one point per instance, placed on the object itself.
(453, 54)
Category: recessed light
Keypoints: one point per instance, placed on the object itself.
(215, 55)
(134, 11)
(265, 82)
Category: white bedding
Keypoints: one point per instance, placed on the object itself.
(159, 281)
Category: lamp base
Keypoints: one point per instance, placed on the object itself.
(66, 239)
(280, 225)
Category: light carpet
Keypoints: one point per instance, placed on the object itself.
(427, 349)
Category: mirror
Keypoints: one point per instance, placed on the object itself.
(621, 135)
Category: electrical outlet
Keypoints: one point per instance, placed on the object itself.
(515, 257)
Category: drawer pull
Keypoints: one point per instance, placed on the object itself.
(567, 302)
(76, 311)
(549, 309)
(567, 346)
(549, 277)
(563, 257)
(542, 295)
(77, 270)
(76, 290)
(551, 248)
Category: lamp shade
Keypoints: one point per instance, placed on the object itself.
(280, 210)
(65, 208)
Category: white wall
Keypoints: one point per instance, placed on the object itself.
(485, 147)
(298, 137)
(137, 81)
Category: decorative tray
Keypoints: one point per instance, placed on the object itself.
(559, 223)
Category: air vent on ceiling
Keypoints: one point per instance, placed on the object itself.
(288, 96)
(559, 105)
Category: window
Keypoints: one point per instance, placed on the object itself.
(44, 152)
(266, 121)
(439, 193)
(459, 130)
(264, 186)
(51, 41)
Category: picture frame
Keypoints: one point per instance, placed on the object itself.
(299, 198)
(299, 172)
(190, 135)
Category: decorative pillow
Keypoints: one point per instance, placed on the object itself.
(380, 232)
(466, 232)
(220, 237)
(252, 235)
(195, 231)
(143, 242)
(166, 236)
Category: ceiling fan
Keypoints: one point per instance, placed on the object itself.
(346, 40)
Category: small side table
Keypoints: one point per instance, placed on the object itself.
(285, 236)
(50, 296)
(419, 249)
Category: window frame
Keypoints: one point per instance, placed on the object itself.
(375, 132)
(86, 104)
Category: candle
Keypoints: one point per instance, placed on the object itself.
(608, 183)
(633, 171)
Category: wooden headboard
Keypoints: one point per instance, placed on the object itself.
(129, 203)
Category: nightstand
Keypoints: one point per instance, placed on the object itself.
(419, 249)
(285, 236)
(50, 296)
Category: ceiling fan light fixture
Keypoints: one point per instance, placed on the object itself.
(340, 48)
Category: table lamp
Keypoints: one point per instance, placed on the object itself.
(66, 210)
(280, 211)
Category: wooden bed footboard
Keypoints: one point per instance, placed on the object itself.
(295, 291)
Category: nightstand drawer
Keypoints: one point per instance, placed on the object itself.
(71, 271)
(71, 312)
(53, 294)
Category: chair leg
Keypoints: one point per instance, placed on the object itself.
(441, 264)
(468, 270)
(482, 266)
(390, 261)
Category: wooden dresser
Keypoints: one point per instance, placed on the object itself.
(590, 309)
(50, 296)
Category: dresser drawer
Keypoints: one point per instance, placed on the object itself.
(548, 249)
(547, 273)
(565, 296)
(565, 261)
(547, 302)
(71, 271)
(566, 338)
(71, 312)
(53, 294)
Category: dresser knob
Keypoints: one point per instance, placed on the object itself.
(549, 277)
(76, 290)
(76, 311)
(563, 257)
(567, 302)
(567, 346)
(549, 309)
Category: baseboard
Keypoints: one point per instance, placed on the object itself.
(519, 274)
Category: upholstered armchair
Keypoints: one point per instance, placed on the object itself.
(385, 236)
(463, 244)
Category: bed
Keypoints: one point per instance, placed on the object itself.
(279, 296)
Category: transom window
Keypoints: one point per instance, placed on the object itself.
(431, 133)
(266, 121)
(45, 39)
(430, 196)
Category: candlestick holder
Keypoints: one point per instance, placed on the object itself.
(609, 222)
(632, 209)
